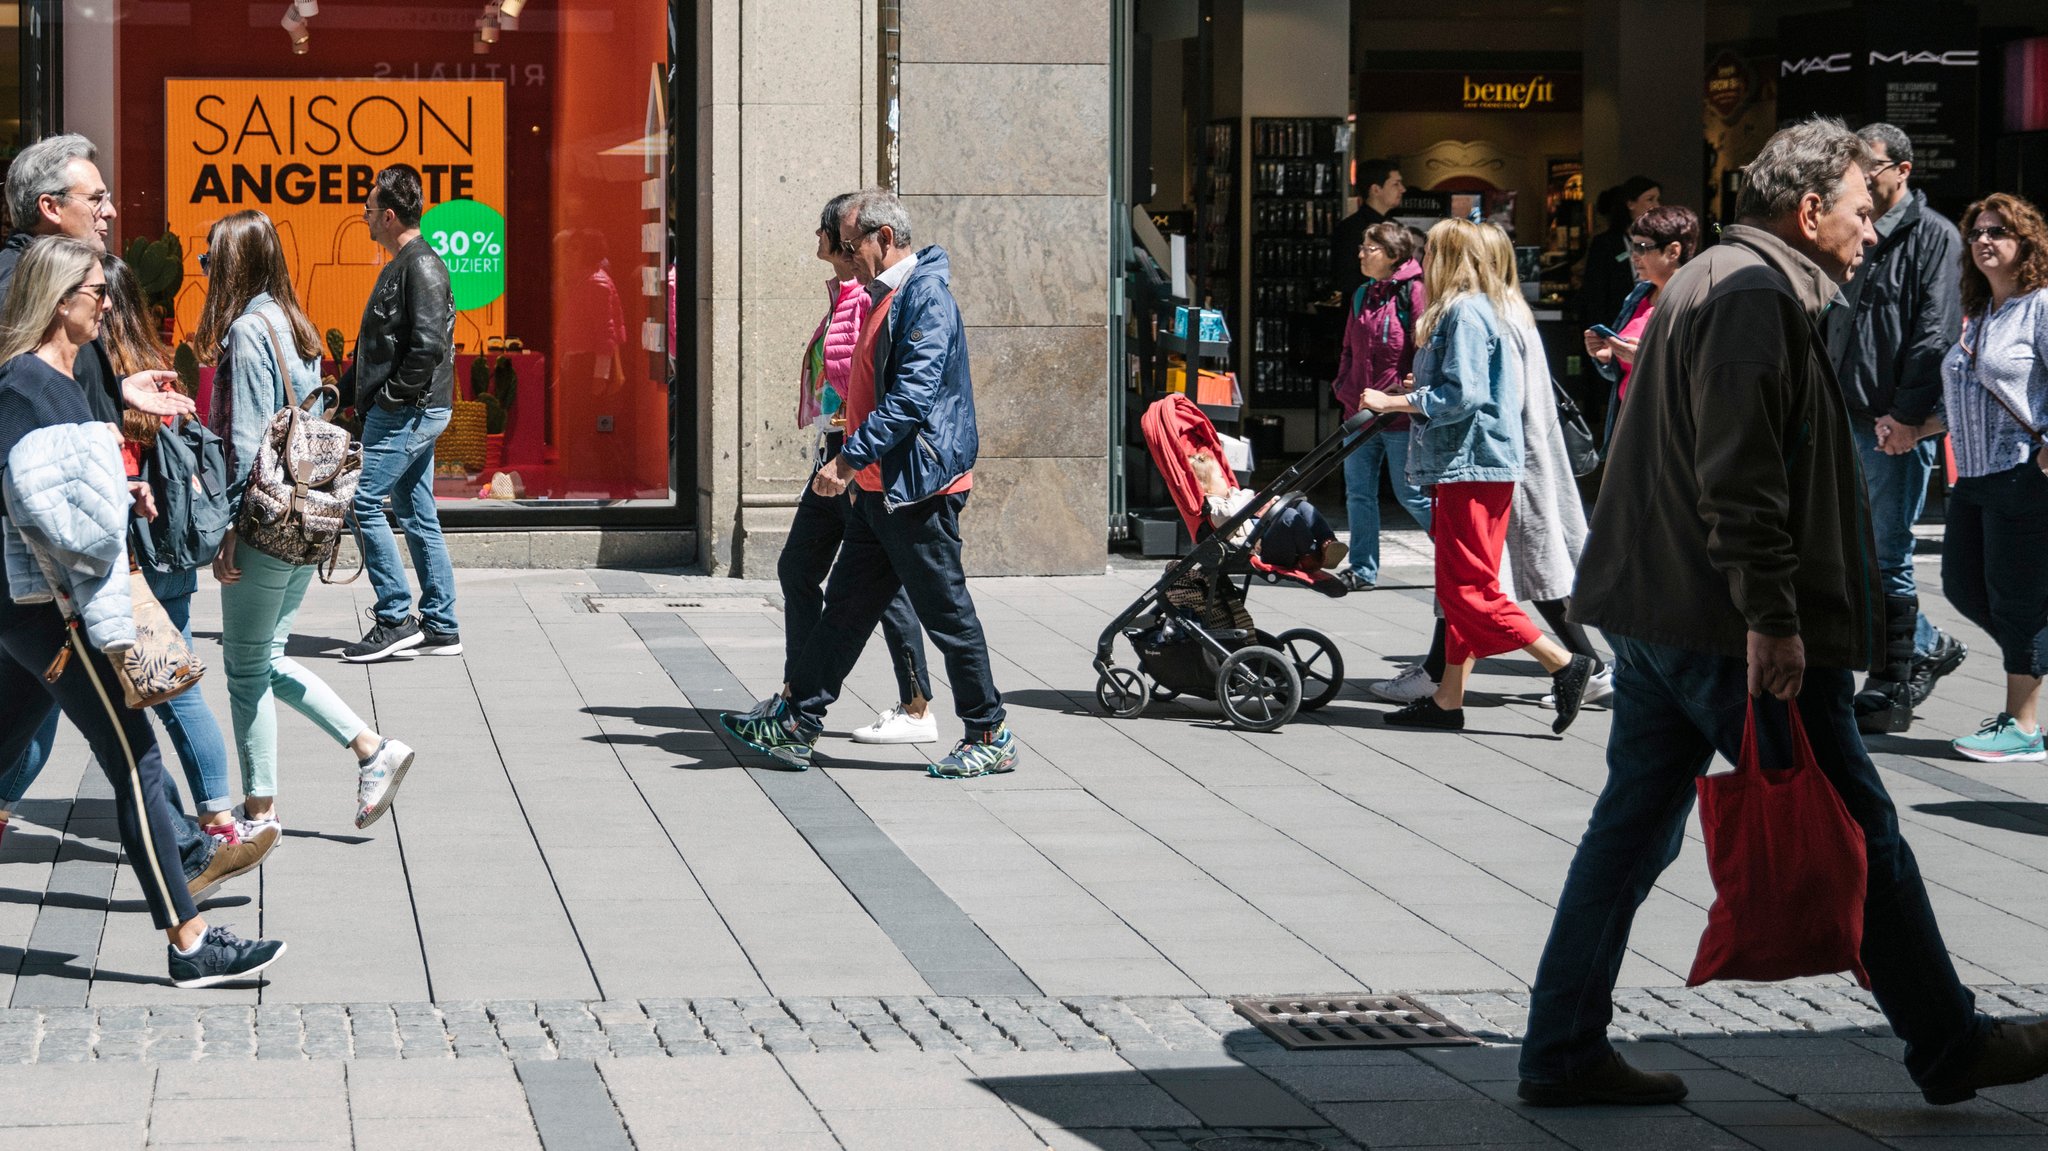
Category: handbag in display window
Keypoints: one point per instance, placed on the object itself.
(161, 666)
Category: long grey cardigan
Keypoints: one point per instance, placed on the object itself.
(1547, 525)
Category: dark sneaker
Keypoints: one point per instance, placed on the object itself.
(2012, 1053)
(779, 734)
(383, 640)
(438, 642)
(1352, 581)
(222, 958)
(233, 859)
(1948, 654)
(992, 753)
(1424, 713)
(1611, 1082)
(1568, 691)
(1883, 707)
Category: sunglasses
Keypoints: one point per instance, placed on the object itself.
(849, 247)
(1643, 247)
(1988, 232)
(99, 290)
(205, 262)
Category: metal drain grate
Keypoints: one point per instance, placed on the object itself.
(1303, 1022)
(679, 604)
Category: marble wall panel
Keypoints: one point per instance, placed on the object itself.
(1037, 517)
(794, 157)
(1022, 261)
(1006, 31)
(1005, 129)
(774, 452)
(800, 51)
(1040, 391)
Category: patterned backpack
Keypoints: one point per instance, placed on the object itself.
(302, 490)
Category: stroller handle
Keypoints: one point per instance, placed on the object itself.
(1364, 417)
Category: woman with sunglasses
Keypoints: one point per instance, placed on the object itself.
(54, 309)
(1660, 241)
(1994, 550)
(269, 355)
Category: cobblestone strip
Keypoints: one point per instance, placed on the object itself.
(676, 1028)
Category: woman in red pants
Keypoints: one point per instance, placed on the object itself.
(1467, 450)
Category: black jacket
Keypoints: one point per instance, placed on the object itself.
(405, 353)
(1733, 501)
(1904, 312)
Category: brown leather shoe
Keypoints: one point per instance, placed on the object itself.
(1611, 1082)
(231, 860)
(2012, 1053)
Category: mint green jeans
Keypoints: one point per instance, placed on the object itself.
(256, 620)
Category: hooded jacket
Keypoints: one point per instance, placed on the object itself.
(1379, 349)
(1733, 501)
(922, 429)
(1902, 313)
(67, 528)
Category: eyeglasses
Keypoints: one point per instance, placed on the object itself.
(1988, 232)
(1369, 249)
(1872, 173)
(98, 290)
(205, 259)
(98, 200)
(1643, 247)
(849, 247)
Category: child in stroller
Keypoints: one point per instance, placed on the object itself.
(1298, 538)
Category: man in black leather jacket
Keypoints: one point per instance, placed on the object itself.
(1897, 319)
(403, 383)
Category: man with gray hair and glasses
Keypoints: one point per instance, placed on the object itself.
(1897, 319)
(1728, 560)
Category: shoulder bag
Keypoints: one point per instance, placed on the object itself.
(302, 488)
(161, 666)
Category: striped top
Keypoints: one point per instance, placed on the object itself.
(2006, 351)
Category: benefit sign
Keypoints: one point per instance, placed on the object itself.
(306, 153)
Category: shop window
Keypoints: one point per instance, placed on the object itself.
(542, 139)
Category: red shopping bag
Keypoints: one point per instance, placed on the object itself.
(1789, 870)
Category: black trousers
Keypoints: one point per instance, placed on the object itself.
(121, 740)
(1994, 562)
(814, 539)
(916, 550)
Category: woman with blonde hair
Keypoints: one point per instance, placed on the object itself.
(53, 310)
(269, 356)
(1467, 448)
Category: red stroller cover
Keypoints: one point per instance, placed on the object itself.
(1176, 429)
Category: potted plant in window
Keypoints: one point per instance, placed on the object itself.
(159, 266)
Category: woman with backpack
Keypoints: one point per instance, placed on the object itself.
(269, 358)
(1379, 352)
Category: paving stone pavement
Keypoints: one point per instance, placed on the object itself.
(590, 922)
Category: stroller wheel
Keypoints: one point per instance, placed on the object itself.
(1121, 692)
(1317, 662)
(1258, 688)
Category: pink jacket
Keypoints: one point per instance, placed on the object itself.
(1378, 350)
(828, 360)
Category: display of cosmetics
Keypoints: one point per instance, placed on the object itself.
(1276, 379)
(1302, 217)
(1283, 295)
(1309, 257)
(1272, 334)
(1292, 138)
(1295, 178)
(1217, 139)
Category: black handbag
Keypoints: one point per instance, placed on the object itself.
(1579, 445)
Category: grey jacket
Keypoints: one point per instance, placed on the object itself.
(1547, 525)
(1902, 313)
(405, 351)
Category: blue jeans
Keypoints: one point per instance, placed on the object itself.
(195, 735)
(398, 461)
(807, 555)
(916, 550)
(1388, 450)
(1673, 710)
(1897, 486)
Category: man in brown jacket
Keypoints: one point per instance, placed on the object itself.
(1731, 557)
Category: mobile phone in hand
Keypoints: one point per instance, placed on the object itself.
(1604, 332)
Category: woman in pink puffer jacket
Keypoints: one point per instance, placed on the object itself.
(820, 523)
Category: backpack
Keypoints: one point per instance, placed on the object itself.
(187, 472)
(1404, 305)
(302, 489)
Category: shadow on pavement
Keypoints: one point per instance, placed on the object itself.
(2025, 818)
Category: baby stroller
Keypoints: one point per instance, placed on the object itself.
(1191, 631)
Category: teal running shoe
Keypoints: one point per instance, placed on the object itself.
(993, 753)
(779, 733)
(2000, 740)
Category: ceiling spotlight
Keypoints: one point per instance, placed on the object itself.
(479, 45)
(307, 8)
(511, 8)
(294, 26)
(487, 30)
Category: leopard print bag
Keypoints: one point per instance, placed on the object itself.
(301, 492)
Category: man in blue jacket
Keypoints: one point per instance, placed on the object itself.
(908, 459)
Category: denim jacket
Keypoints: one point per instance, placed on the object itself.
(1468, 396)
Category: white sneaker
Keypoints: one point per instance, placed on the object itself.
(1412, 684)
(377, 780)
(1599, 689)
(898, 726)
(248, 828)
